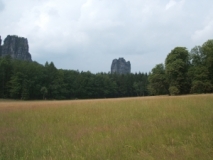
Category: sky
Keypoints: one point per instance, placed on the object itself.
(86, 35)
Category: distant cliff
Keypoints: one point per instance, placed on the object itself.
(120, 66)
(16, 47)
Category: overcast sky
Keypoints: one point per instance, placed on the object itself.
(86, 35)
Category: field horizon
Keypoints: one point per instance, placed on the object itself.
(154, 127)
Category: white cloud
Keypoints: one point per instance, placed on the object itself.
(175, 4)
(171, 4)
(203, 34)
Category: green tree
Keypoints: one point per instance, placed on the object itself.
(6, 70)
(198, 72)
(25, 94)
(16, 85)
(207, 49)
(139, 88)
(53, 80)
(157, 81)
(176, 66)
(197, 57)
(44, 92)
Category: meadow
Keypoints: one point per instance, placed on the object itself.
(164, 127)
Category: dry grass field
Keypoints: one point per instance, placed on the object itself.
(162, 127)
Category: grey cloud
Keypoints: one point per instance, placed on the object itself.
(2, 6)
(89, 33)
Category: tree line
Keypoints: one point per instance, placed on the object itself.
(31, 80)
(184, 72)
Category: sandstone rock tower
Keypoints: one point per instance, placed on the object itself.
(120, 66)
(16, 47)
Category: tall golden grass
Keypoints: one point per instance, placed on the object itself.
(127, 128)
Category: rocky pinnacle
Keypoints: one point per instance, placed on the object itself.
(120, 66)
(16, 47)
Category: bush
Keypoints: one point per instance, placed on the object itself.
(173, 90)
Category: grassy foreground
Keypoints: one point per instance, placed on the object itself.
(132, 128)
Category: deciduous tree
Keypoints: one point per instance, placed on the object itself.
(177, 64)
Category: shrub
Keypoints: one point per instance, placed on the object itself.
(173, 90)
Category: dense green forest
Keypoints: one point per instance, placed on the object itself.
(184, 72)
(30, 80)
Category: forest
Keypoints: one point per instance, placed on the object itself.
(183, 72)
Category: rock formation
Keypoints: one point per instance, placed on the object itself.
(120, 66)
(16, 47)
